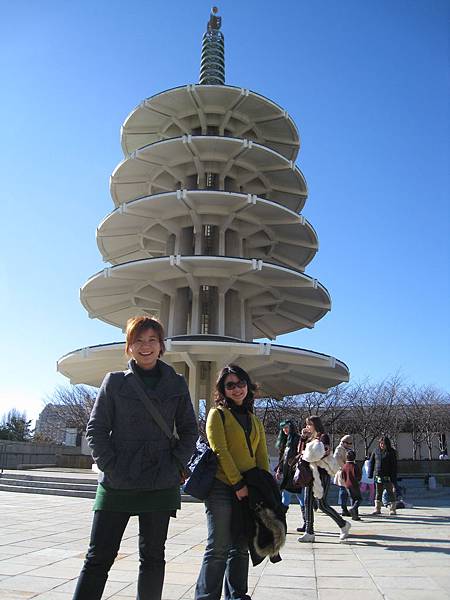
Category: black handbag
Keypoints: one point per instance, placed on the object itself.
(203, 468)
(302, 476)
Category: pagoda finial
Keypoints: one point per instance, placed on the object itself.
(212, 66)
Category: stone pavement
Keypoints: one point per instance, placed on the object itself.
(43, 540)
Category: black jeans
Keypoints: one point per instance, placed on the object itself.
(106, 534)
(323, 504)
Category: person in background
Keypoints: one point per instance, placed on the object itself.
(383, 467)
(288, 443)
(140, 467)
(351, 476)
(238, 439)
(340, 454)
(367, 483)
(322, 464)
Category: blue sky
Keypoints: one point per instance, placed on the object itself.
(366, 83)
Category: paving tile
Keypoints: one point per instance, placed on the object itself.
(416, 595)
(26, 583)
(295, 568)
(171, 591)
(181, 578)
(52, 596)
(13, 567)
(263, 593)
(346, 594)
(387, 583)
(285, 581)
(16, 595)
(442, 580)
(340, 569)
(345, 583)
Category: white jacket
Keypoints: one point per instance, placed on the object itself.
(314, 453)
(340, 454)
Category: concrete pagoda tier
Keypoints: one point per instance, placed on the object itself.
(207, 235)
(206, 109)
(279, 370)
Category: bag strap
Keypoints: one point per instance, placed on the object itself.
(151, 408)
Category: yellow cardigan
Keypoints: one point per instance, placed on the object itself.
(227, 439)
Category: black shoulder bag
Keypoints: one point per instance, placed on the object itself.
(203, 468)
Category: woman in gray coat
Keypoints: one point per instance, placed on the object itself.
(140, 467)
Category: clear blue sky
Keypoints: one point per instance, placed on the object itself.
(367, 84)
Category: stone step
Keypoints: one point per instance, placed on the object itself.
(57, 486)
(53, 484)
(49, 478)
(46, 490)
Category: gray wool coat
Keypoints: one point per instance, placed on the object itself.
(128, 446)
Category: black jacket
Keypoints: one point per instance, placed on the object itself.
(128, 446)
(266, 516)
(287, 457)
(383, 463)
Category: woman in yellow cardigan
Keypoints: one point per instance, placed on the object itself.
(237, 437)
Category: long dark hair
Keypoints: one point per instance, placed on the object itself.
(284, 439)
(316, 422)
(219, 397)
(387, 442)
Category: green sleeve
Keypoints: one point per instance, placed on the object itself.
(215, 432)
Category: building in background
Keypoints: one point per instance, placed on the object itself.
(54, 425)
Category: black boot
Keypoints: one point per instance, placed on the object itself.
(345, 512)
(302, 529)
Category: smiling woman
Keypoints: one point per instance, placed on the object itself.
(145, 341)
(140, 466)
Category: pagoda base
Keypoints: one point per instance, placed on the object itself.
(279, 370)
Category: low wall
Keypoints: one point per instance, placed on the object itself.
(79, 461)
(16, 454)
(423, 467)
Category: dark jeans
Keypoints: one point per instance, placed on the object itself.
(226, 553)
(386, 483)
(106, 534)
(323, 504)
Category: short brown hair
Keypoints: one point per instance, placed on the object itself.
(136, 325)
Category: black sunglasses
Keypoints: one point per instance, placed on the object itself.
(230, 385)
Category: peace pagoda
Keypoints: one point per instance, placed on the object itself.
(207, 233)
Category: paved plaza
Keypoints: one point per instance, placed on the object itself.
(44, 538)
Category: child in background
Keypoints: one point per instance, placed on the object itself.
(351, 476)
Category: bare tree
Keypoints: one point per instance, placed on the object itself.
(272, 411)
(428, 417)
(73, 404)
(373, 409)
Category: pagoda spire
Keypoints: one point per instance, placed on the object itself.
(212, 65)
